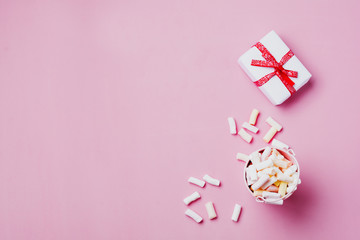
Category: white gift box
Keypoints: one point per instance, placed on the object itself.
(274, 89)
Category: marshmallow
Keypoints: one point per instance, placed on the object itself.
(268, 195)
(196, 181)
(279, 202)
(242, 157)
(273, 123)
(192, 198)
(281, 163)
(277, 144)
(251, 172)
(277, 183)
(197, 218)
(282, 188)
(260, 182)
(211, 180)
(284, 178)
(277, 170)
(232, 125)
(268, 183)
(236, 213)
(270, 134)
(266, 153)
(258, 193)
(210, 210)
(244, 135)
(250, 127)
(291, 170)
(268, 171)
(264, 164)
(272, 188)
(253, 117)
(255, 158)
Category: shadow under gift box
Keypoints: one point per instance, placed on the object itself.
(274, 89)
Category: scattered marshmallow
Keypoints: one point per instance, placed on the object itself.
(190, 213)
(196, 181)
(273, 123)
(253, 117)
(210, 210)
(250, 127)
(193, 197)
(211, 180)
(270, 134)
(232, 125)
(266, 153)
(278, 144)
(244, 135)
(242, 157)
(236, 213)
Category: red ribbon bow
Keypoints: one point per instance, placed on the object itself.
(282, 73)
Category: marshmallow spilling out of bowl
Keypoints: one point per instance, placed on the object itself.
(271, 176)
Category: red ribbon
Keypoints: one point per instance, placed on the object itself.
(270, 61)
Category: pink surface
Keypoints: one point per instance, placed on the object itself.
(107, 107)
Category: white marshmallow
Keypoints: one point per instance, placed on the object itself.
(244, 135)
(250, 127)
(284, 178)
(196, 181)
(277, 170)
(232, 125)
(255, 158)
(278, 144)
(210, 210)
(242, 157)
(192, 198)
(264, 164)
(266, 153)
(270, 134)
(251, 172)
(236, 213)
(270, 182)
(271, 195)
(273, 123)
(280, 163)
(253, 117)
(211, 180)
(262, 180)
(291, 170)
(268, 171)
(190, 213)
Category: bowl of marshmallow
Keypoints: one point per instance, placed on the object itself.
(272, 175)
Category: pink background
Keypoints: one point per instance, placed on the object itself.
(107, 107)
